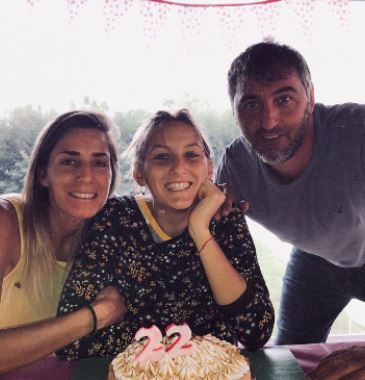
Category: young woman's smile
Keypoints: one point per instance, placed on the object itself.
(175, 167)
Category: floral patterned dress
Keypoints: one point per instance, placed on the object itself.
(163, 282)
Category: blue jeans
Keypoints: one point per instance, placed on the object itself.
(314, 293)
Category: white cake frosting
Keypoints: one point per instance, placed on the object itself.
(211, 359)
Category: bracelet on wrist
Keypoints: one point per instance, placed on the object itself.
(95, 319)
(204, 245)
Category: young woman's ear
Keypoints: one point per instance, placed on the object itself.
(137, 175)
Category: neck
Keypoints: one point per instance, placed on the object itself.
(173, 222)
(290, 170)
(63, 239)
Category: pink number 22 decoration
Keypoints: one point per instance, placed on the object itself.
(154, 350)
(181, 344)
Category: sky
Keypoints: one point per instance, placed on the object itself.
(135, 54)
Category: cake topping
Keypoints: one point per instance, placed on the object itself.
(210, 359)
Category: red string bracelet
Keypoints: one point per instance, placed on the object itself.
(204, 245)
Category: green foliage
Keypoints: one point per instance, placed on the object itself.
(19, 129)
(18, 132)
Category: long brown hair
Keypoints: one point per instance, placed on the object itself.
(40, 256)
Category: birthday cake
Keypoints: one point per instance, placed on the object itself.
(200, 358)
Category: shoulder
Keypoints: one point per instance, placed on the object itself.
(8, 217)
(120, 204)
(238, 148)
(235, 219)
(340, 115)
(238, 157)
(116, 210)
(9, 235)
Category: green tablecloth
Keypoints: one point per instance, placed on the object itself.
(276, 363)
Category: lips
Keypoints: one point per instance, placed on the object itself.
(270, 137)
(80, 195)
(178, 186)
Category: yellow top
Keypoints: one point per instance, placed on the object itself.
(158, 233)
(16, 307)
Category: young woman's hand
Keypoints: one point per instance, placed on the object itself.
(109, 307)
(210, 199)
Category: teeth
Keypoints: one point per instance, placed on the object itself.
(177, 186)
(84, 195)
(270, 137)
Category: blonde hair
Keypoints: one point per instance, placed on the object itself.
(137, 150)
(40, 255)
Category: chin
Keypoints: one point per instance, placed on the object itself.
(182, 206)
(87, 214)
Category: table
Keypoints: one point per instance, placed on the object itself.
(277, 362)
(269, 364)
(309, 355)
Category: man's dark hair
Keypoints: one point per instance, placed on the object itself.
(267, 62)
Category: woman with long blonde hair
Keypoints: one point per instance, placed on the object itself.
(168, 256)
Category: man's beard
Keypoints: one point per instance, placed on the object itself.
(278, 157)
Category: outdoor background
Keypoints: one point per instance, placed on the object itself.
(129, 58)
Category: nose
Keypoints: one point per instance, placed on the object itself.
(270, 118)
(85, 173)
(178, 165)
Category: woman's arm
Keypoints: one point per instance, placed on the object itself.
(20, 346)
(226, 282)
(234, 275)
(251, 316)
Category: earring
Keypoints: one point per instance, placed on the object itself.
(142, 190)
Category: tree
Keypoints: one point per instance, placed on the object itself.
(18, 132)
(19, 129)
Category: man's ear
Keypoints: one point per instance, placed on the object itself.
(311, 98)
(138, 176)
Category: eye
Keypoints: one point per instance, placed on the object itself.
(101, 163)
(192, 155)
(161, 157)
(249, 105)
(69, 162)
(284, 99)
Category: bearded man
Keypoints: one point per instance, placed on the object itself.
(301, 167)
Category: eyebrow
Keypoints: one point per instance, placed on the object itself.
(161, 146)
(285, 89)
(75, 153)
(276, 92)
